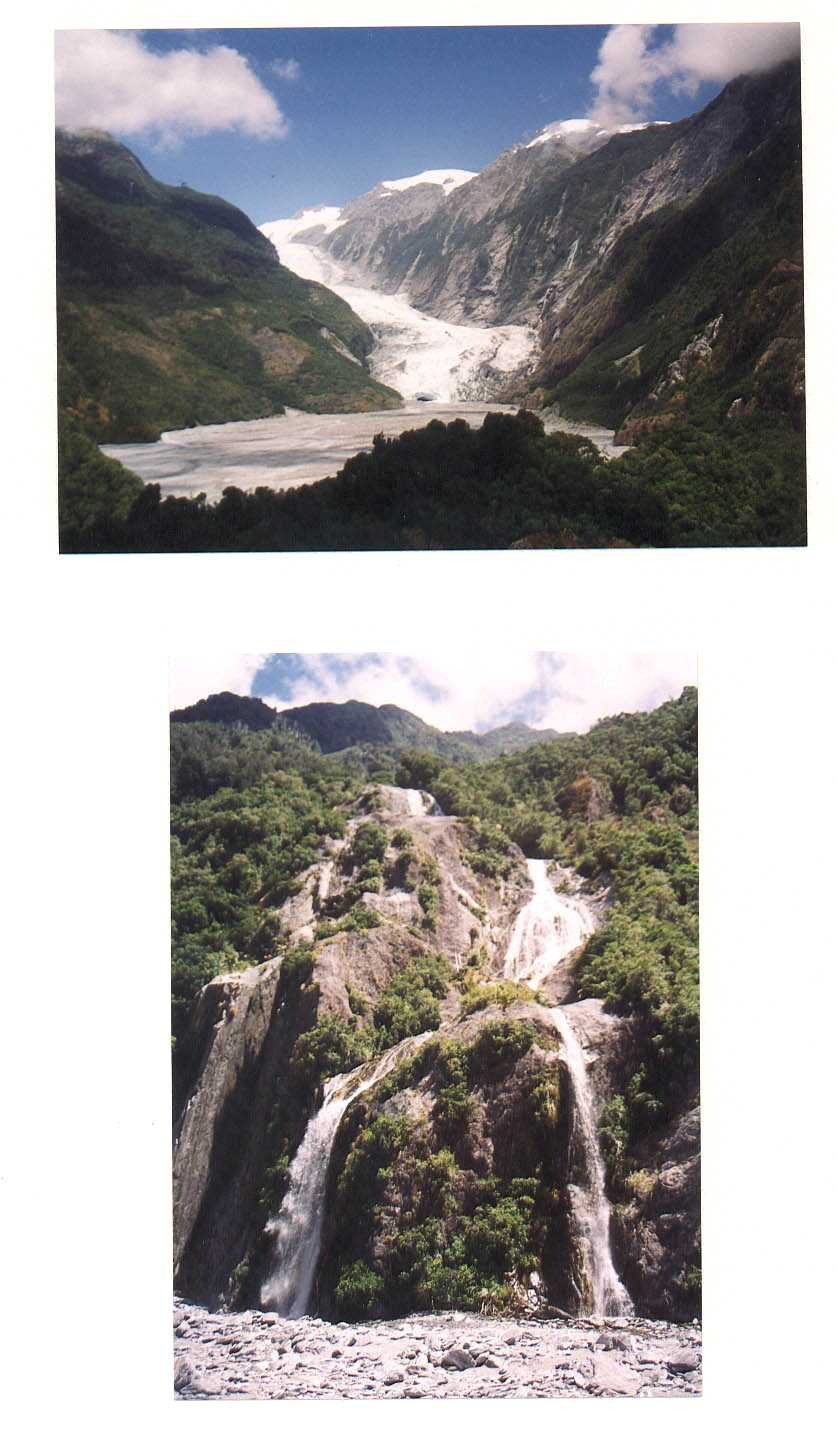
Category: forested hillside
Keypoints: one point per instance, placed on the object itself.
(173, 309)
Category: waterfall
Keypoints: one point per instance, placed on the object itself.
(590, 1208)
(297, 1227)
(324, 881)
(412, 801)
(547, 929)
(421, 804)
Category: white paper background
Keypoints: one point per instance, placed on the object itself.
(84, 1173)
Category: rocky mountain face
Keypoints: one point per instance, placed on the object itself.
(334, 727)
(173, 309)
(619, 248)
(466, 1136)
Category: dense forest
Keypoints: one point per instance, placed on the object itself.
(706, 481)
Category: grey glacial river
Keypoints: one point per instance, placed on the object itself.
(292, 449)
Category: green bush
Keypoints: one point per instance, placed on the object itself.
(502, 994)
(410, 1002)
(357, 1291)
(331, 1046)
(496, 1047)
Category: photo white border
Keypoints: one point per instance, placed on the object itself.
(86, 1166)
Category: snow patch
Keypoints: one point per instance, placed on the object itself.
(584, 134)
(448, 179)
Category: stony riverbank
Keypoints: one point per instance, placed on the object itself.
(258, 1355)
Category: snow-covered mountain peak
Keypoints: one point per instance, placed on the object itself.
(448, 179)
(584, 135)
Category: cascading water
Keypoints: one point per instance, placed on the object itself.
(547, 929)
(421, 804)
(605, 1294)
(297, 1227)
(412, 801)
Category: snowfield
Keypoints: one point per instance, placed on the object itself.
(414, 353)
(448, 179)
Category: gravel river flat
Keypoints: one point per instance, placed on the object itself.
(289, 450)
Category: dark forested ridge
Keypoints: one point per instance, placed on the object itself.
(268, 834)
(174, 310)
(333, 727)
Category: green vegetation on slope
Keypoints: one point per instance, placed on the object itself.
(619, 805)
(416, 1221)
(249, 813)
(733, 251)
(174, 310)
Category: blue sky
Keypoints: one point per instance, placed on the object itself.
(278, 119)
(452, 689)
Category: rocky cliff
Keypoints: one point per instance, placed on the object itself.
(451, 1179)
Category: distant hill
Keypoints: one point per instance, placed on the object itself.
(174, 310)
(228, 708)
(336, 727)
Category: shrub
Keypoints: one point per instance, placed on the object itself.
(497, 1046)
(358, 1289)
(502, 994)
(410, 1002)
(331, 1046)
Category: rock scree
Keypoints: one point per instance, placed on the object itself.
(258, 1355)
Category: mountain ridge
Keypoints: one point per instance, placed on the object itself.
(336, 727)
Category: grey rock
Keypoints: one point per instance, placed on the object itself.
(613, 1378)
(182, 1374)
(458, 1358)
(206, 1385)
(685, 1361)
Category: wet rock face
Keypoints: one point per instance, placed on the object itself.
(233, 1064)
(248, 1080)
(259, 1356)
(656, 1230)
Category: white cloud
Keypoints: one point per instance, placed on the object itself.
(196, 676)
(287, 69)
(109, 80)
(631, 66)
(479, 689)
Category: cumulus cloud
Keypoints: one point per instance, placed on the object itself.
(476, 690)
(110, 80)
(286, 69)
(196, 676)
(633, 61)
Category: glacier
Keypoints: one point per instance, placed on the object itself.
(420, 356)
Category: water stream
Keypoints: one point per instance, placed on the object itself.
(549, 927)
(412, 802)
(604, 1294)
(297, 1227)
